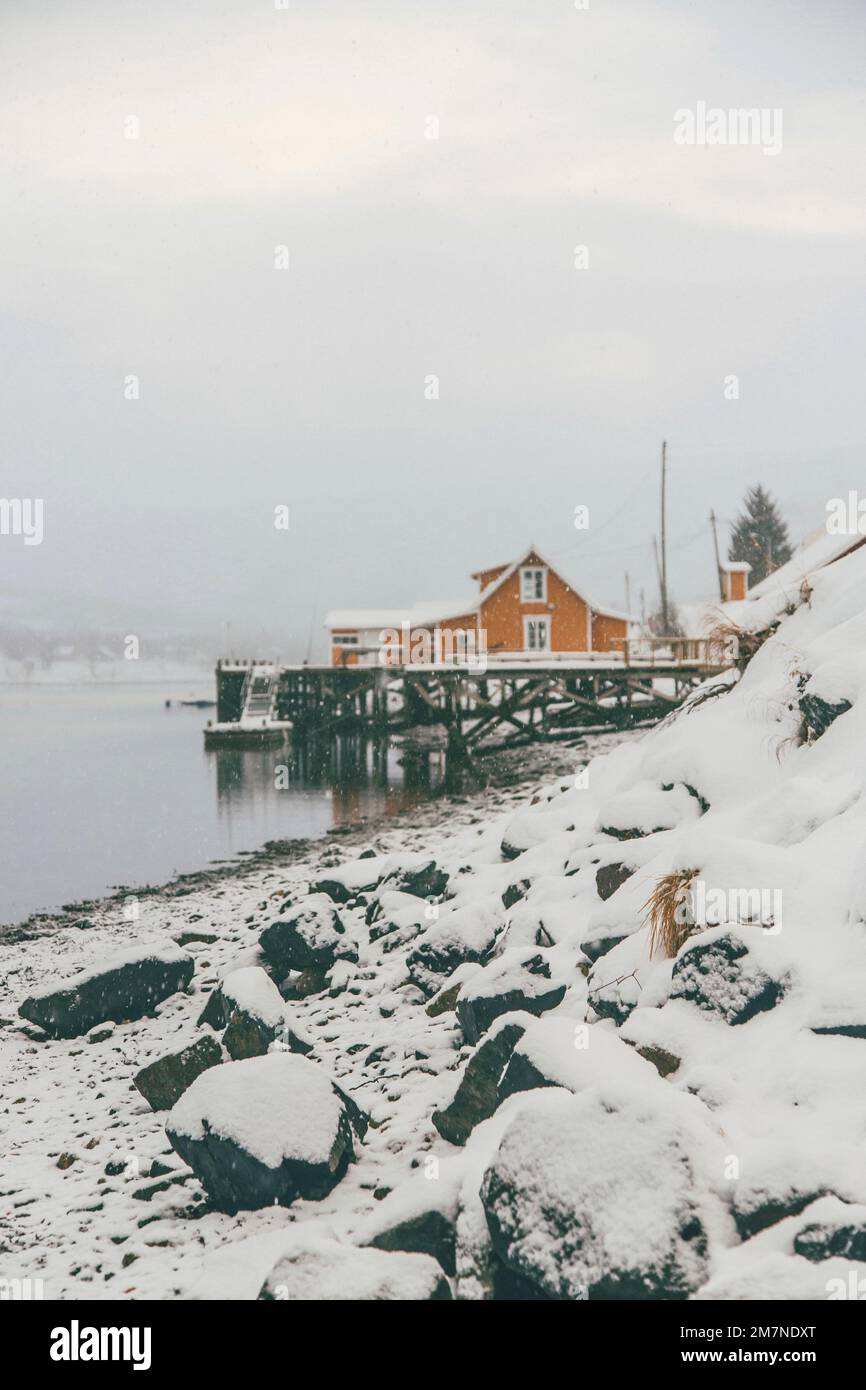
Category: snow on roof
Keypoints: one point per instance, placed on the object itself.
(366, 617)
(735, 566)
(441, 610)
(432, 610)
(509, 570)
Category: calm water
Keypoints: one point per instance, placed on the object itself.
(103, 786)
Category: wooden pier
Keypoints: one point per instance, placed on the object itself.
(508, 700)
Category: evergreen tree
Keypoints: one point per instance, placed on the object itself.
(760, 536)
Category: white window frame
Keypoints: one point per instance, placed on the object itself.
(345, 639)
(528, 576)
(548, 625)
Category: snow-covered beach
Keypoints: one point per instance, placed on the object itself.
(462, 1057)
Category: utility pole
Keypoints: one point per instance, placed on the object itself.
(627, 593)
(664, 564)
(718, 561)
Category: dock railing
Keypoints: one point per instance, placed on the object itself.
(673, 651)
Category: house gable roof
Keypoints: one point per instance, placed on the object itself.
(433, 611)
(517, 564)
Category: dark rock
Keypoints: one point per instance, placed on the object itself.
(819, 714)
(265, 1131)
(444, 1002)
(664, 1062)
(250, 1008)
(343, 890)
(477, 1094)
(480, 1004)
(594, 947)
(522, 1074)
(515, 891)
(755, 1209)
(428, 1233)
(510, 850)
(307, 938)
(308, 982)
(609, 878)
(128, 987)
(446, 946)
(841, 1030)
(826, 1240)
(424, 881)
(162, 1083)
(722, 978)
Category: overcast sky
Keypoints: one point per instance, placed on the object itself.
(307, 127)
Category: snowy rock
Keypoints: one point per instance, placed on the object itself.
(515, 891)
(818, 713)
(477, 1094)
(755, 1207)
(265, 1130)
(310, 937)
(130, 985)
(360, 876)
(401, 917)
(163, 1082)
(422, 880)
(564, 1052)
(609, 878)
(462, 934)
(515, 981)
(720, 975)
(570, 1206)
(839, 1233)
(250, 1008)
(603, 939)
(420, 1216)
(325, 1271)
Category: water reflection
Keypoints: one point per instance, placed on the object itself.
(356, 776)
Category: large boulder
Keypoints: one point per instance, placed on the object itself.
(163, 1082)
(515, 981)
(477, 1093)
(720, 975)
(595, 1196)
(310, 936)
(130, 985)
(265, 1130)
(323, 1271)
(250, 1008)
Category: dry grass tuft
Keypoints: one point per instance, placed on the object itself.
(666, 912)
(729, 643)
(723, 640)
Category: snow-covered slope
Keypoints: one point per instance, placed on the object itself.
(555, 1110)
